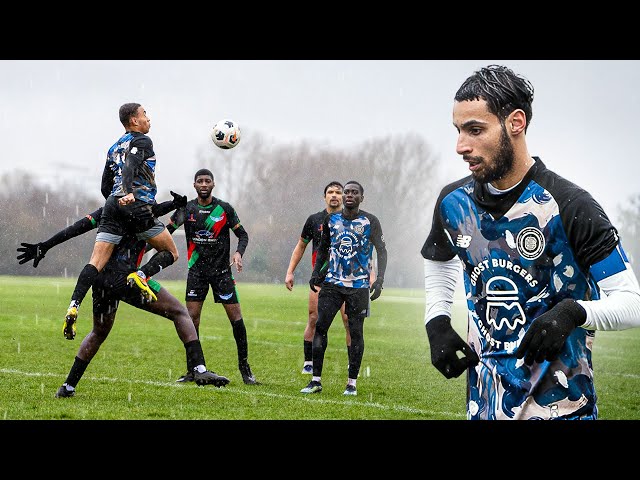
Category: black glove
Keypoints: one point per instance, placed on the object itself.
(547, 333)
(445, 343)
(376, 288)
(30, 251)
(179, 200)
(314, 282)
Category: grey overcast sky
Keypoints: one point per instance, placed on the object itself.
(60, 117)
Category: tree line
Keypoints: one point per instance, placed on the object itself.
(273, 189)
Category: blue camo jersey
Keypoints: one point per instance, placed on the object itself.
(132, 146)
(522, 253)
(351, 250)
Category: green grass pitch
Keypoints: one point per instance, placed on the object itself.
(133, 375)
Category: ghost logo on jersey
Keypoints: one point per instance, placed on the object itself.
(530, 243)
(502, 304)
(347, 244)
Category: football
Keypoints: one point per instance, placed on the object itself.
(226, 134)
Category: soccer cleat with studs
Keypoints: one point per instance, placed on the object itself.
(209, 378)
(139, 281)
(350, 390)
(64, 392)
(313, 387)
(69, 325)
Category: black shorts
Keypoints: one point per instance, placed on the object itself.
(110, 287)
(223, 286)
(331, 298)
(135, 218)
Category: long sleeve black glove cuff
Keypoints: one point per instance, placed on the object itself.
(437, 325)
(572, 310)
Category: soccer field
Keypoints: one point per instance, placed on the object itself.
(133, 375)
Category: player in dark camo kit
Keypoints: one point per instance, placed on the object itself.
(110, 287)
(208, 222)
(311, 232)
(538, 253)
(343, 269)
(129, 187)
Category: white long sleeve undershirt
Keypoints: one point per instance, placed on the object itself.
(439, 285)
(620, 308)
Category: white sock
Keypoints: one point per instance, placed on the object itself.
(351, 381)
(201, 368)
(315, 379)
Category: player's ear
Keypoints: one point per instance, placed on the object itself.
(517, 121)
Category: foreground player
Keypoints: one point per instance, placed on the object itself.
(129, 187)
(208, 222)
(344, 262)
(311, 232)
(537, 252)
(110, 287)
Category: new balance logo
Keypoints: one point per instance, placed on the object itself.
(463, 241)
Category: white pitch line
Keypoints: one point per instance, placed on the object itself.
(257, 391)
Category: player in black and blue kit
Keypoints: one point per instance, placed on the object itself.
(537, 253)
(208, 223)
(343, 266)
(311, 234)
(110, 287)
(128, 184)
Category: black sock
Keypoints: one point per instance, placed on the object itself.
(76, 372)
(85, 279)
(159, 261)
(195, 356)
(349, 353)
(308, 348)
(240, 335)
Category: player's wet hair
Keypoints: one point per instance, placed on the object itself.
(127, 111)
(203, 171)
(331, 184)
(356, 183)
(502, 89)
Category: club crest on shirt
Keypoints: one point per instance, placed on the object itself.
(530, 243)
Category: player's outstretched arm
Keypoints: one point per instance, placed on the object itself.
(37, 252)
(160, 209)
